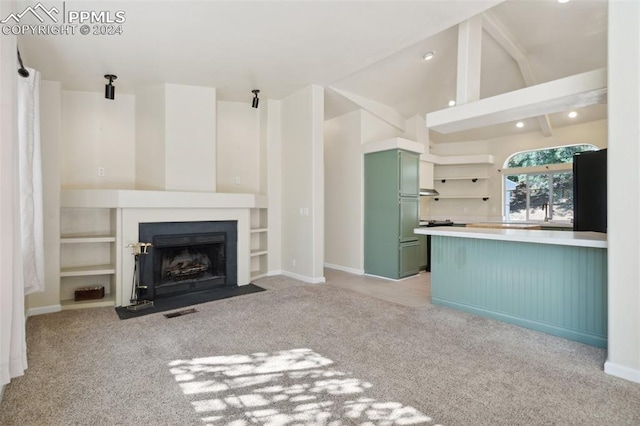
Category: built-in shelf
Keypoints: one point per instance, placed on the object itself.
(451, 160)
(81, 240)
(88, 237)
(85, 271)
(107, 301)
(258, 252)
(91, 227)
(468, 197)
(444, 179)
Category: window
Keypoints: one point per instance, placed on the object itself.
(539, 184)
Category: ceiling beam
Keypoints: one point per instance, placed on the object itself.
(469, 60)
(576, 91)
(508, 42)
(381, 111)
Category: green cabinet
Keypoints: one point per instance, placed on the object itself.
(391, 200)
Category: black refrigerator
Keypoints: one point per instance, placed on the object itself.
(590, 191)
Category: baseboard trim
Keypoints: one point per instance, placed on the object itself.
(43, 310)
(621, 371)
(304, 278)
(382, 278)
(344, 269)
(274, 273)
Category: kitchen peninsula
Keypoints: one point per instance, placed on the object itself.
(550, 281)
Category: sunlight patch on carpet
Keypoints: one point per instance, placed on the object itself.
(296, 386)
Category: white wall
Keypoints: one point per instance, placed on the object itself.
(97, 132)
(176, 138)
(343, 193)
(271, 142)
(624, 190)
(190, 162)
(50, 130)
(303, 184)
(150, 138)
(239, 150)
(501, 148)
(373, 129)
(417, 131)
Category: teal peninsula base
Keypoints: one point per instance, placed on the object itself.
(557, 284)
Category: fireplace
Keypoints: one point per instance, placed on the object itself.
(187, 257)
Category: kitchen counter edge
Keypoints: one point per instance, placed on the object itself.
(562, 238)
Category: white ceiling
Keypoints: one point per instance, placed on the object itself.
(369, 48)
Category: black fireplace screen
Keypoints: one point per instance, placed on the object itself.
(187, 257)
(181, 258)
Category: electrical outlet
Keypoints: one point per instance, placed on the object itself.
(293, 262)
(466, 209)
(237, 180)
(101, 171)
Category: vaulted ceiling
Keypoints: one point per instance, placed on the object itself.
(373, 49)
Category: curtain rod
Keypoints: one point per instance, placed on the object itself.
(22, 70)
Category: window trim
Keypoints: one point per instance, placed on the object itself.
(536, 170)
(550, 171)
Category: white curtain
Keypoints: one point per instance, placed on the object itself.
(21, 211)
(30, 170)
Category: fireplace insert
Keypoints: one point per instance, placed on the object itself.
(187, 257)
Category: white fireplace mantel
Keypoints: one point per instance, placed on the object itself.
(126, 198)
(131, 207)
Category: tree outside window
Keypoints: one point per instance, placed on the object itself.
(534, 195)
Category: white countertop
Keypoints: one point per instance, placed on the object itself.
(562, 238)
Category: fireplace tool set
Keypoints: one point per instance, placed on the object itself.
(137, 304)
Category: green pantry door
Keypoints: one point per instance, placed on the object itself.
(391, 201)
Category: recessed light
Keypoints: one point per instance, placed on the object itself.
(519, 124)
(429, 55)
(563, 1)
(573, 114)
(452, 102)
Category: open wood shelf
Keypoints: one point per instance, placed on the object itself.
(443, 179)
(84, 271)
(462, 197)
(87, 239)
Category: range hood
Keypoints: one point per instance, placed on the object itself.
(428, 192)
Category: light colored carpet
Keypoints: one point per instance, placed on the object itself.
(308, 354)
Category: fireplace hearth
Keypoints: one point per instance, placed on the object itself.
(187, 257)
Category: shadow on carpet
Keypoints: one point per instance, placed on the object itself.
(189, 299)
